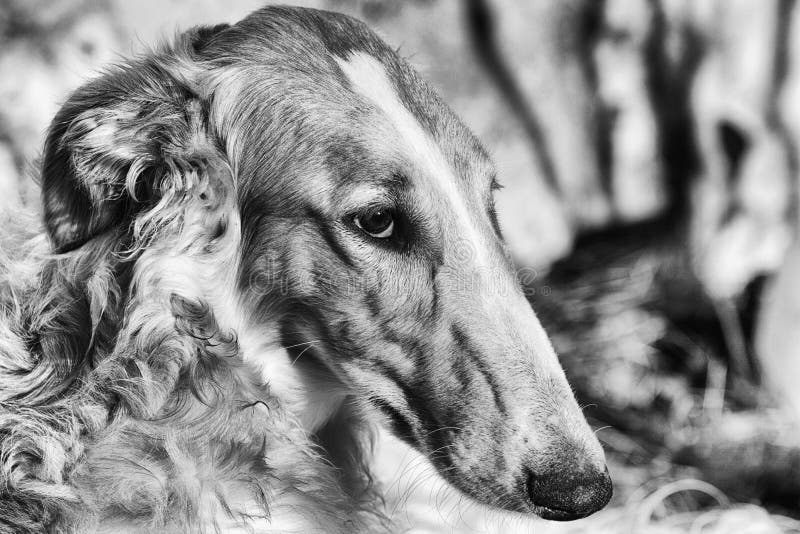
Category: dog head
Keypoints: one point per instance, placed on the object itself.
(303, 180)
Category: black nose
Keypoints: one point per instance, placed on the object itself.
(563, 496)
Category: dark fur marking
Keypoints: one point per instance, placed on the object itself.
(464, 377)
(350, 161)
(435, 310)
(430, 433)
(433, 433)
(330, 238)
(401, 427)
(204, 34)
(409, 345)
(465, 345)
(373, 302)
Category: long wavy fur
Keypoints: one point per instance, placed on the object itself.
(124, 405)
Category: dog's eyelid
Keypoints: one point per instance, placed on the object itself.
(373, 207)
(370, 197)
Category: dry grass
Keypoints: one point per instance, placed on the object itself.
(656, 514)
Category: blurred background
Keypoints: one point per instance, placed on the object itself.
(649, 150)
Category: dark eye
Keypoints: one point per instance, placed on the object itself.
(377, 222)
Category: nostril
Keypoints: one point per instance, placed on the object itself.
(564, 497)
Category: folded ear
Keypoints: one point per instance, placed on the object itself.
(119, 139)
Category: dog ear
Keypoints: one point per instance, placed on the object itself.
(116, 140)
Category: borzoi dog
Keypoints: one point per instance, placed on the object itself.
(256, 241)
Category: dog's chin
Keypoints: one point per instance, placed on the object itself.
(514, 504)
(526, 508)
(498, 501)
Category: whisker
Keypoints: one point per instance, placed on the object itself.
(303, 343)
(301, 353)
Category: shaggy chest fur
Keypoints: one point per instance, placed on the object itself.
(174, 427)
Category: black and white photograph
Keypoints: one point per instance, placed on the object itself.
(399, 267)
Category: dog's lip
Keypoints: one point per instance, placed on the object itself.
(555, 514)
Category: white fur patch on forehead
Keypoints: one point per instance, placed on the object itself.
(369, 78)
